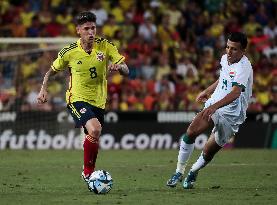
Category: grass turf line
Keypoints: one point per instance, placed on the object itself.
(239, 176)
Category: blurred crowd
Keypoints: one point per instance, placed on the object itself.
(172, 48)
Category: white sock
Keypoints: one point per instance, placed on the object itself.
(183, 156)
(199, 164)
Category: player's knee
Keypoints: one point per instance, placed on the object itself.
(95, 132)
(94, 129)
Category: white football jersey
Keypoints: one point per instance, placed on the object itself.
(241, 74)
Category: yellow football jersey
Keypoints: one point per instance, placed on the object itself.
(88, 72)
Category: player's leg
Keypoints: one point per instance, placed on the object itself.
(91, 118)
(197, 126)
(221, 134)
(210, 149)
(91, 145)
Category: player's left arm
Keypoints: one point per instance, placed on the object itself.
(117, 59)
(122, 68)
(233, 95)
(238, 86)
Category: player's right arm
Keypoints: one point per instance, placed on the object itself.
(204, 95)
(42, 96)
(58, 65)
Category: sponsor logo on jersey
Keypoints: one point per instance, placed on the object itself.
(83, 110)
(100, 56)
(79, 62)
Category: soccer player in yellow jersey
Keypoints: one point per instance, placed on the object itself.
(88, 60)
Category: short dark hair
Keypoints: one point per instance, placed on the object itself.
(85, 16)
(239, 38)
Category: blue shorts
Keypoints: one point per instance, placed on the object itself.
(83, 112)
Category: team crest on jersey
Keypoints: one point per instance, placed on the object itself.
(100, 56)
(83, 110)
(232, 74)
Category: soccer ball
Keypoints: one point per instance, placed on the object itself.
(100, 182)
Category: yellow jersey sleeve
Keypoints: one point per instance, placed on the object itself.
(59, 64)
(62, 61)
(114, 55)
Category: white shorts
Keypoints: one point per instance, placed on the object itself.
(223, 130)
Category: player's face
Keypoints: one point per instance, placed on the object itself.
(87, 31)
(234, 52)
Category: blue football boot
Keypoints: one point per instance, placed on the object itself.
(190, 180)
(175, 178)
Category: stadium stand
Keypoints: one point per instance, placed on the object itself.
(172, 49)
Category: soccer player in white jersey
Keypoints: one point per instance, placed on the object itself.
(225, 110)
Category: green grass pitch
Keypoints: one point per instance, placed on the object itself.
(238, 176)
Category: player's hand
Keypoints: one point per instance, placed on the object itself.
(113, 67)
(202, 97)
(208, 112)
(42, 96)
